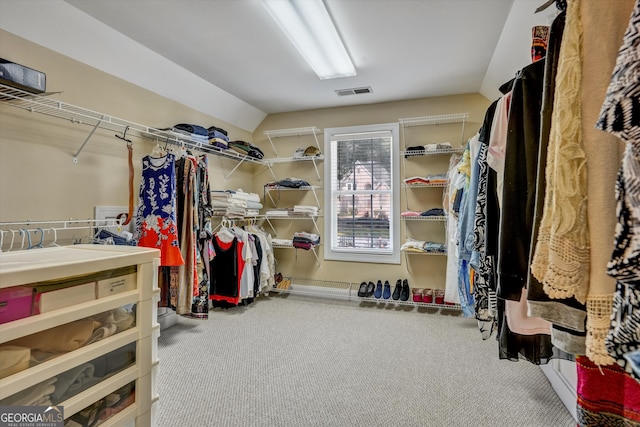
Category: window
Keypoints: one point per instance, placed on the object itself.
(362, 194)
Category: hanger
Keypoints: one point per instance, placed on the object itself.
(225, 234)
(25, 233)
(39, 244)
(13, 236)
(55, 237)
(124, 136)
(560, 4)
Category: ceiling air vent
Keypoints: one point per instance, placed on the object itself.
(354, 91)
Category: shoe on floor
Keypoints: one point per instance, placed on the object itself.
(370, 290)
(397, 290)
(386, 294)
(404, 293)
(362, 291)
(427, 296)
(417, 294)
(378, 291)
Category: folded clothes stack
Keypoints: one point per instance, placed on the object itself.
(419, 246)
(218, 137)
(426, 180)
(304, 240)
(246, 148)
(433, 212)
(235, 204)
(278, 212)
(196, 132)
(306, 210)
(430, 212)
(288, 183)
(421, 150)
(282, 242)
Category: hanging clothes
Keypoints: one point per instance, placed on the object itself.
(561, 258)
(484, 289)
(226, 267)
(187, 219)
(466, 225)
(516, 219)
(204, 250)
(156, 225)
(620, 116)
(568, 315)
(451, 205)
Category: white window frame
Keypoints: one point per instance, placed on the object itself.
(355, 255)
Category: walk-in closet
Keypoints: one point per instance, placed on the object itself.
(431, 224)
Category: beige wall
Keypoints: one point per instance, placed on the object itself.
(38, 179)
(422, 271)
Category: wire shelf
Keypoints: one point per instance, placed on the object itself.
(434, 120)
(312, 130)
(302, 188)
(423, 218)
(275, 160)
(424, 253)
(410, 154)
(435, 184)
(54, 108)
(290, 216)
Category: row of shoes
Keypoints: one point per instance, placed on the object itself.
(400, 292)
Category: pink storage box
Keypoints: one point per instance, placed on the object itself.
(15, 303)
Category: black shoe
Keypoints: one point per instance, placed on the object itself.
(378, 291)
(404, 293)
(362, 291)
(370, 289)
(396, 290)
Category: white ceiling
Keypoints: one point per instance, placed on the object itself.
(402, 49)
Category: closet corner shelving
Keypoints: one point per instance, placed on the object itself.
(95, 120)
(22, 268)
(310, 135)
(427, 170)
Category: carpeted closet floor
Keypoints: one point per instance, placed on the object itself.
(295, 361)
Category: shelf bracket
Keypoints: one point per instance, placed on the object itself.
(315, 165)
(315, 224)
(272, 145)
(75, 156)
(234, 169)
(313, 190)
(271, 225)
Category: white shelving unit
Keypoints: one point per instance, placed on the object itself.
(96, 120)
(310, 135)
(427, 162)
(58, 263)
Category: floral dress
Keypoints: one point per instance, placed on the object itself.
(156, 225)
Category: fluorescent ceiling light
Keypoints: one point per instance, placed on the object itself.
(309, 27)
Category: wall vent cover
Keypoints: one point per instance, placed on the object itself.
(354, 91)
